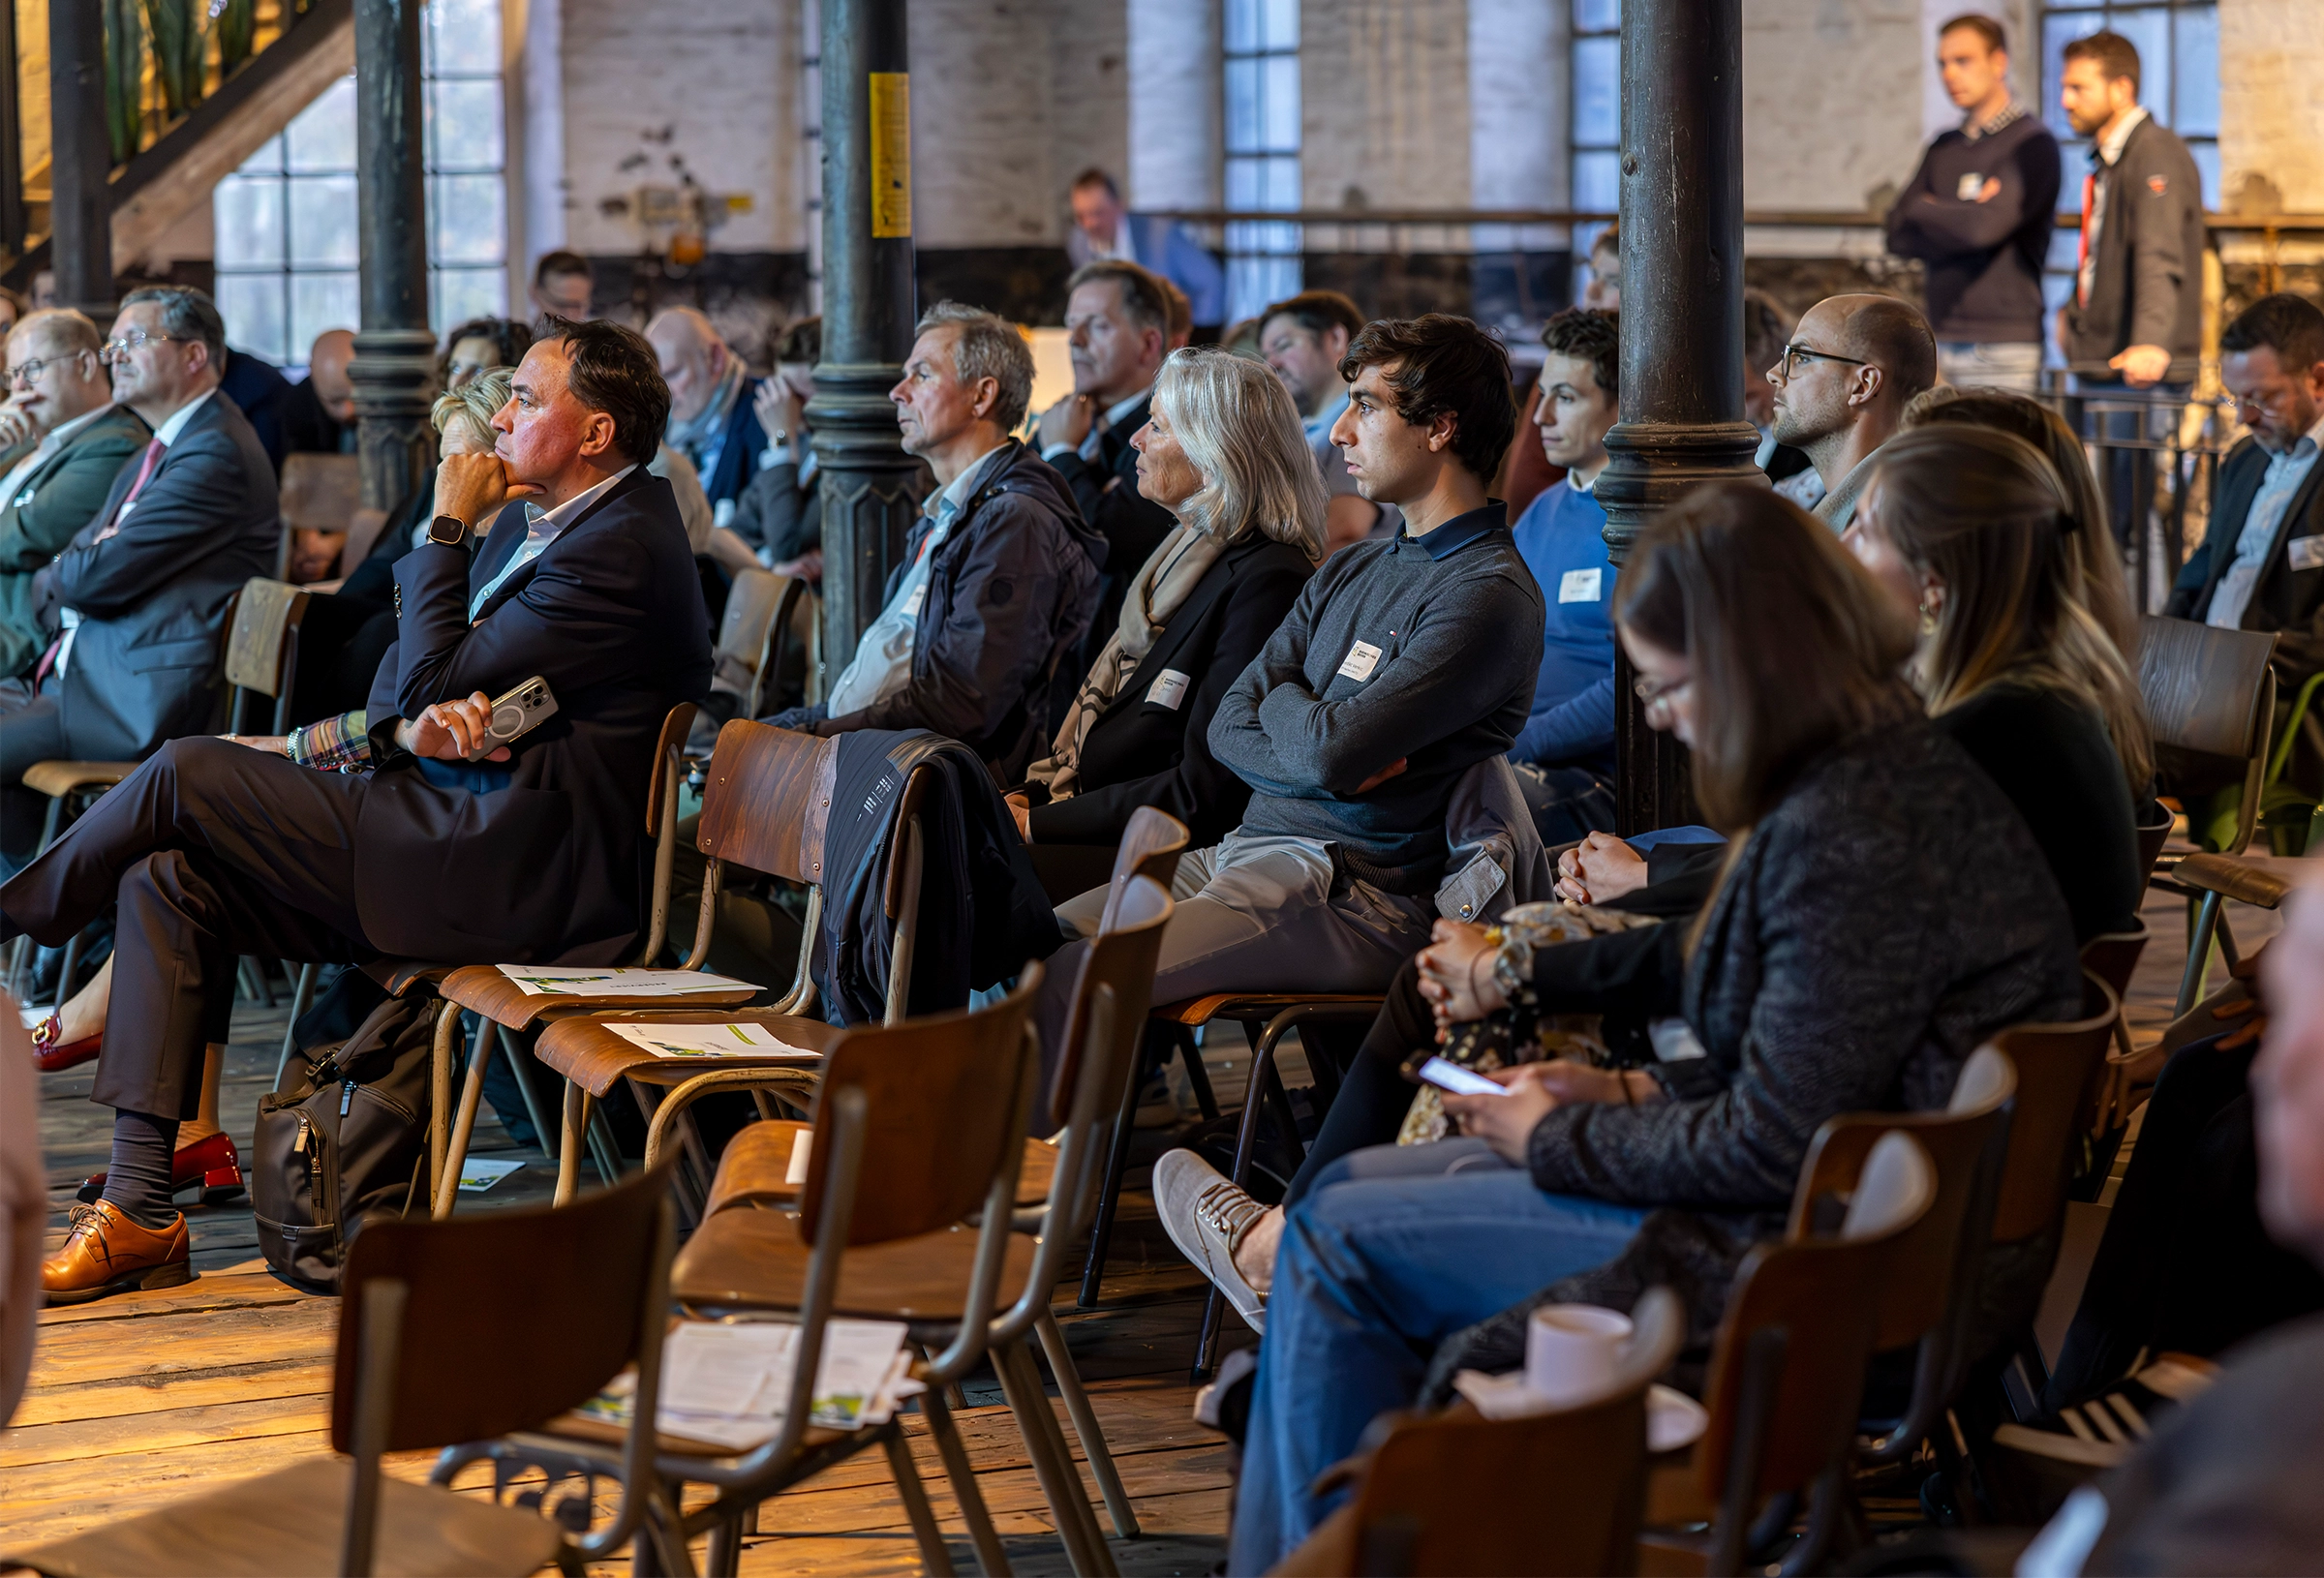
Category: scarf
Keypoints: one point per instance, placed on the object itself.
(1156, 593)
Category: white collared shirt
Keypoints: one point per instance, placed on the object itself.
(545, 526)
(55, 439)
(2286, 472)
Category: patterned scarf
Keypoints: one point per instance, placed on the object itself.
(1158, 591)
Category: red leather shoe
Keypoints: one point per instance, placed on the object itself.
(50, 1058)
(212, 1162)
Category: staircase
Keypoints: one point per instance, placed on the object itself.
(192, 89)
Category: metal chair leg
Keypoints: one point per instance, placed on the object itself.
(440, 1096)
(1086, 1425)
(1053, 1463)
(518, 1057)
(301, 999)
(603, 1151)
(577, 1104)
(1197, 1076)
(471, 1095)
(1108, 1197)
(2198, 954)
(914, 1495)
(1246, 1144)
(961, 1473)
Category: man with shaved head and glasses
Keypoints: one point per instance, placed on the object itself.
(1841, 387)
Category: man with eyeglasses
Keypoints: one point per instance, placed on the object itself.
(1841, 387)
(133, 610)
(65, 440)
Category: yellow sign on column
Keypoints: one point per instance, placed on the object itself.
(891, 155)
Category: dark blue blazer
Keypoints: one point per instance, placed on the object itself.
(552, 867)
(737, 459)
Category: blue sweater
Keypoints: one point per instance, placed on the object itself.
(1562, 539)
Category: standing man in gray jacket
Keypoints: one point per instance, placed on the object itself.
(1405, 663)
(136, 604)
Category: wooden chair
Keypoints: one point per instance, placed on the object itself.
(498, 1001)
(261, 650)
(2210, 694)
(2113, 957)
(765, 808)
(411, 1373)
(918, 1126)
(1787, 1374)
(760, 609)
(1416, 1506)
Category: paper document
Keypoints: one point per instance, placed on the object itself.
(616, 981)
(729, 1385)
(709, 1041)
(478, 1175)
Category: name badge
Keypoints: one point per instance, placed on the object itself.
(1363, 658)
(1579, 586)
(1168, 689)
(1971, 185)
(23, 499)
(2306, 552)
(911, 604)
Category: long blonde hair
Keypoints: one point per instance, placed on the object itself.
(1987, 514)
(1237, 425)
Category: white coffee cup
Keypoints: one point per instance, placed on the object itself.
(1571, 1349)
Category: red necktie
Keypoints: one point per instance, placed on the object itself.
(2089, 199)
(154, 452)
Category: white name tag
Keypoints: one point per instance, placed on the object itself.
(1363, 658)
(1579, 586)
(911, 604)
(2306, 552)
(1971, 185)
(1167, 690)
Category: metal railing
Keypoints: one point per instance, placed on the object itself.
(2156, 454)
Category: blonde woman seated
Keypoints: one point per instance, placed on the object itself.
(1224, 452)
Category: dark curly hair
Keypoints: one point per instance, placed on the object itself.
(1442, 364)
(1593, 337)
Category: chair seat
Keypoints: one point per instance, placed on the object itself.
(579, 1047)
(290, 1522)
(1195, 1011)
(2224, 874)
(54, 779)
(481, 988)
(755, 1260)
(755, 1168)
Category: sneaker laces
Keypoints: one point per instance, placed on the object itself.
(1228, 1211)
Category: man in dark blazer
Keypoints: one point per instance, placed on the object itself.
(136, 604)
(73, 440)
(2261, 566)
(532, 854)
(1117, 327)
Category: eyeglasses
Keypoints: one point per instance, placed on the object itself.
(134, 340)
(1797, 353)
(1660, 698)
(29, 373)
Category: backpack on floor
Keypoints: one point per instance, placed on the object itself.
(344, 1137)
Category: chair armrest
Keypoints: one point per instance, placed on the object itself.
(2232, 878)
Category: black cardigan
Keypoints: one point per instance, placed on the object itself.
(1140, 752)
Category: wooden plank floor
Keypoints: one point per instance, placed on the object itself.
(142, 1399)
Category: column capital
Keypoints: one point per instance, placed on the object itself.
(1651, 465)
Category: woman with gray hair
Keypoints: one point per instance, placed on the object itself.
(1223, 452)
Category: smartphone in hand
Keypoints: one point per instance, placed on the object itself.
(1446, 1074)
(516, 713)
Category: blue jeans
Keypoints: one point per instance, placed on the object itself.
(1394, 1250)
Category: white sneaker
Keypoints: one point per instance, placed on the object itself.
(1205, 1215)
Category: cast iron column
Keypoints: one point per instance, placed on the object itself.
(12, 144)
(80, 210)
(870, 487)
(1682, 321)
(394, 370)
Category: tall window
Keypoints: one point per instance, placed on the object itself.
(288, 233)
(1596, 131)
(2178, 82)
(1263, 151)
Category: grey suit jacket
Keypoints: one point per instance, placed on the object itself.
(152, 596)
(60, 497)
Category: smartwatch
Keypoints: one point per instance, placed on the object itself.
(448, 529)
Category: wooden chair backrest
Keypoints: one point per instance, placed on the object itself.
(363, 529)
(1788, 1368)
(760, 798)
(1422, 1507)
(1123, 955)
(749, 610)
(2113, 957)
(2057, 1076)
(1151, 846)
(2203, 686)
(259, 637)
(942, 1095)
(1928, 1260)
(2151, 836)
(668, 747)
(321, 493)
(573, 1318)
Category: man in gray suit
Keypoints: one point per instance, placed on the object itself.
(69, 440)
(136, 601)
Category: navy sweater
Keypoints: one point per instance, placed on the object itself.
(1984, 259)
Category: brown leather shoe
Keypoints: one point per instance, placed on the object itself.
(106, 1253)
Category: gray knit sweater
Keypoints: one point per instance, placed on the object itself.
(1424, 649)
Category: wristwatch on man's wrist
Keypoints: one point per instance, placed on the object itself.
(448, 529)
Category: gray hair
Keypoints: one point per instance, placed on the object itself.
(62, 329)
(1237, 423)
(479, 400)
(187, 314)
(989, 347)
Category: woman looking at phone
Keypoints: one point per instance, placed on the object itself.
(1884, 910)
